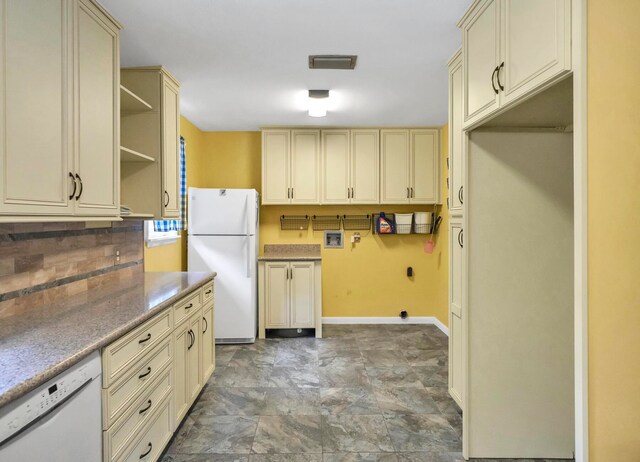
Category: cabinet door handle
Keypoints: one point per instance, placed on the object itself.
(493, 76)
(460, 195)
(291, 193)
(412, 195)
(348, 193)
(142, 411)
(142, 456)
(75, 185)
(206, 324)
(81, 187)
(190, 305)
(498, 76)
(208, 292)
(166, 196)
(146, 339)
(142, 376)
(460, 238)
(408, 193)
(193, 339)
(353, 193)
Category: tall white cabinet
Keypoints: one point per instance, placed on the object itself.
(60, 108)
(511, 282)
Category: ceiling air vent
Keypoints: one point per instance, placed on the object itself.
(332, 61)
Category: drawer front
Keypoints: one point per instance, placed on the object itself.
(186, 307)
(121, 394)
(127, 427)
(207, 292)
(118, 357)
(153, 438)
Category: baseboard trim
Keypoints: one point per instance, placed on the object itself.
(388, 320)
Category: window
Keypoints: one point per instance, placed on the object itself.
(161, 232)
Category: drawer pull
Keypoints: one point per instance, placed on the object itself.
(190, 305)
(206, 324)
(145, 374)
(142, 411)
(146, 339)
(208, 291)
(142, 456)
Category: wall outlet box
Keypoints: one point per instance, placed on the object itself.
(333, 239)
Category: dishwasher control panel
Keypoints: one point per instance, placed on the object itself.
(26, 409)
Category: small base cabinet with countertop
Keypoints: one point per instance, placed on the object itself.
(152, 376)
(290, 288)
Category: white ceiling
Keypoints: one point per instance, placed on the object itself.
(243, 64)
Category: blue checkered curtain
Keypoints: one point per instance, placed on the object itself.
(177, 225)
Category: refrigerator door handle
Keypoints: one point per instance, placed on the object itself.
(246, 203)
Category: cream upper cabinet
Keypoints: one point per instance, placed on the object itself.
(97, 118)
(290, 167)
(481, 51)
(305, 166)
(424, 168)
(394, 161)
(511, 49)
(365, 166)
(276, 160)
(350, 166)
(410, 166)
(150, 142)
(456, 136)
(45, 150)
(170, 148)
(336, 160)
(536, 45)
(456, 334)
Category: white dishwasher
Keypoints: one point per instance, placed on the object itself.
(60, 421)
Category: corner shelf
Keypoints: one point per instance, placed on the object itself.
(131, 103)
(129, 155)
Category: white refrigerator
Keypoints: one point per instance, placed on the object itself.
(223, 237)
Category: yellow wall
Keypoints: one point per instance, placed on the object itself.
(368, 279)
(613, 81)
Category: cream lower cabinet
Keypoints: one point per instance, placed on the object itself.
(290, 166)
(59, 135)
(152, 376)
(350, 166)
(409, 166)
(290, 296)
(456, 324)
(511, 49)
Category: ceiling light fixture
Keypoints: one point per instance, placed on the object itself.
(318, 101)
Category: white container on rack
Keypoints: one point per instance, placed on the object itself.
(422, 222)
(403, 223)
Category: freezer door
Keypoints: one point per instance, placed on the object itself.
(230, 212)
(233, 258)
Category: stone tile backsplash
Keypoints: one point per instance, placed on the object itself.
(37, 257)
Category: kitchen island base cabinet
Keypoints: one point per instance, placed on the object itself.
(290, 296)
(148, 390)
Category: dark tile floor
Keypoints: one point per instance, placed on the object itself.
(363, 393)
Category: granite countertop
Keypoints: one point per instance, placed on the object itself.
(288, 252)
(42, 340)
